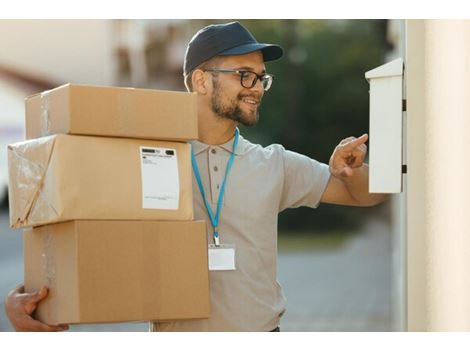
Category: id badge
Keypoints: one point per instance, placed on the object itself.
(222, 257)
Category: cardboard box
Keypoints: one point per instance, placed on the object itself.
(112, 111)
(112, 271)
(65, 177)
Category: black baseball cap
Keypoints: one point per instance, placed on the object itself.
(225, 39)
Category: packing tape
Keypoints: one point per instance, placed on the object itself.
(45, 121)
(49, 270)
(48, 260)
(26, 180)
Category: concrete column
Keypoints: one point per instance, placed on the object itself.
(437, 74)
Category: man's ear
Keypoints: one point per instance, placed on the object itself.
(199, 82)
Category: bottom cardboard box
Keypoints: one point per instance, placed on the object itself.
(114, 271)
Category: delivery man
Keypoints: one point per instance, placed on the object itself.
(241, 186)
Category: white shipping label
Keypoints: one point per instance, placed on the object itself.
(160, 182)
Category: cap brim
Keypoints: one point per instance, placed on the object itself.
(270, 51)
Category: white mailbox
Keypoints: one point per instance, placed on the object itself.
(385, 130)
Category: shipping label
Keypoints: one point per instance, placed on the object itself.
(160, 181)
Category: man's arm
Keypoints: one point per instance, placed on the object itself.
(349, 181)
(20, 306)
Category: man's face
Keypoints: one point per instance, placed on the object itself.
(229, 99)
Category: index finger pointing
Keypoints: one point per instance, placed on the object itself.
(357, 142)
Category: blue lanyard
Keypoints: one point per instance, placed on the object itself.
(215, 219)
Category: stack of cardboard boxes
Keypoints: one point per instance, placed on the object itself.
(110, 219)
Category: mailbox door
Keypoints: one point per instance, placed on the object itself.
(386, 134)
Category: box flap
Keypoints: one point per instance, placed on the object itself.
(27, 166)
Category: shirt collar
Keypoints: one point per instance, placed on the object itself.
(200, 147)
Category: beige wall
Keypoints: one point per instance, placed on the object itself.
(438, 97)
(77, 51)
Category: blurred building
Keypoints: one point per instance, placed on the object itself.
(139, 53)
(37, 55)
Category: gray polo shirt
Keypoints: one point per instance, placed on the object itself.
(261, 183)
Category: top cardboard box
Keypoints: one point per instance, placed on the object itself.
(113, 112)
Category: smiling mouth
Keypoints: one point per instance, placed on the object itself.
(250, 101)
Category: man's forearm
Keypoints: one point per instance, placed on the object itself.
(358, 186)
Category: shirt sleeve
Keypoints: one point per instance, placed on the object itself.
(305, 180)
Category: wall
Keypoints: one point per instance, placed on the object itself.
(438, 227)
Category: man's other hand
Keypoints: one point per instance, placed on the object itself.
(20, 306)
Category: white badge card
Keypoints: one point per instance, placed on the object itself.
(160, 181)
(222, 257)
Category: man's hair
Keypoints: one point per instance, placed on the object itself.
(212, 62)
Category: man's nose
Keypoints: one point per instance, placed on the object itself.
(258, 87)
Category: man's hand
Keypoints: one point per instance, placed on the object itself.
(347, 156)
(19, 307)
(350, 182)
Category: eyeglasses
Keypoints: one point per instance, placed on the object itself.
(248, 79)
